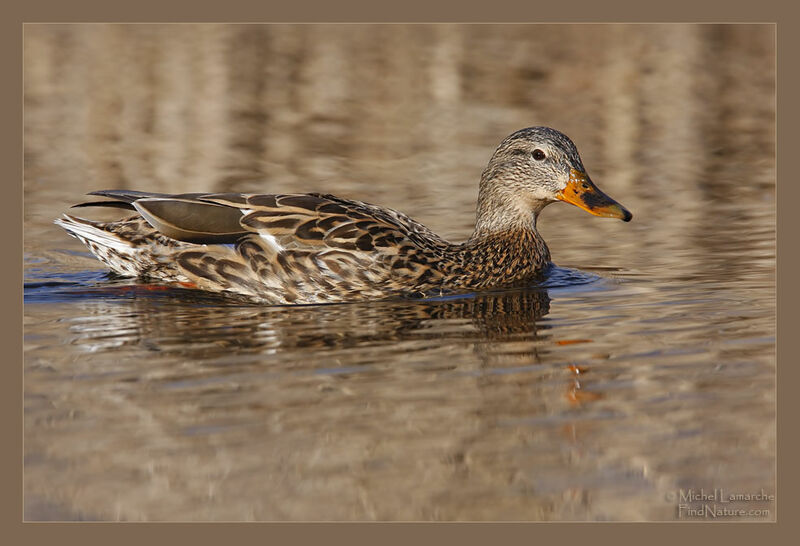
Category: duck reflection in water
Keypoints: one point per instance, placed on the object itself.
(504, 329)
(194, 316)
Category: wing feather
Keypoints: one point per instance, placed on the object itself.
(292, 247)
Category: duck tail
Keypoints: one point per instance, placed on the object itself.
(110, 248)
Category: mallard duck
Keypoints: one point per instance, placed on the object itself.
(319, 248)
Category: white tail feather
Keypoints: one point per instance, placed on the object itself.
(86, 231)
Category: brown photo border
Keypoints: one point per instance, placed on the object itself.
(500, 11)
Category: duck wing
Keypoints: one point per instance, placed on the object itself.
(287, 220)
(288, 248)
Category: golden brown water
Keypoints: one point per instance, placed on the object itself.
(642, 368)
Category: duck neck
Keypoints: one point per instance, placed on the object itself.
(505, 248)
(500, 207)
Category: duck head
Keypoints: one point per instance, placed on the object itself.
(533, 168)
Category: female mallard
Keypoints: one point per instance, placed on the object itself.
(315, 248)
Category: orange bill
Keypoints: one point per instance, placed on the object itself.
(582, 193)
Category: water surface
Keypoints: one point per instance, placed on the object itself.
(643, 366)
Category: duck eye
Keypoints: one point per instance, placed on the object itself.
(538, 155)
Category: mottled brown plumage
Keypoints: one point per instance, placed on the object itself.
(315, 248)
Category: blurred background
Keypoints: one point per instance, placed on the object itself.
(644, 365)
